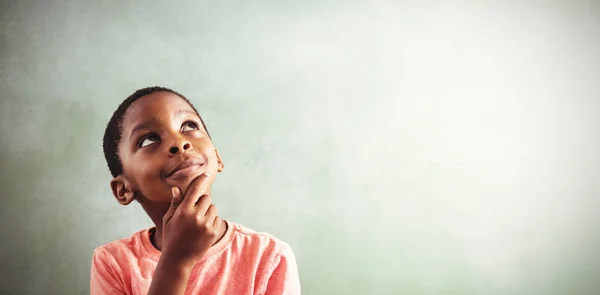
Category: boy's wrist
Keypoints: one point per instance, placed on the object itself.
(175, 262)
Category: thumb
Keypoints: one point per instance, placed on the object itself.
(175, 201)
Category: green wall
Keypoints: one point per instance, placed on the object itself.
(398, 147)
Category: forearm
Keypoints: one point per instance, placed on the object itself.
(169, 278)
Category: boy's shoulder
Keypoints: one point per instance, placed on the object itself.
(264, 240)
(133, 245)
(246, 231)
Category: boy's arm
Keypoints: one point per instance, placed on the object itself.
(190, 227)
(284, 277)
(169, 277)
(103, 280)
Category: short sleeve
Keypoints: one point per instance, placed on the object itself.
(103, 280)
(284, 278)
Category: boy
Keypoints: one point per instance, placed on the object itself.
(160, 154)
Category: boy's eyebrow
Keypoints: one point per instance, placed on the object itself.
(144, 125)
(182, 112)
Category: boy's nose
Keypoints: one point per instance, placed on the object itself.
(180, 147)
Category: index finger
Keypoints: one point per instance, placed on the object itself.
(196, 190)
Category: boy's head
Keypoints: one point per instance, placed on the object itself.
(155, 140)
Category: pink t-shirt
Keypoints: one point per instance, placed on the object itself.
(242, 262)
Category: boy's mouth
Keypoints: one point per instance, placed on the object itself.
(184, 168)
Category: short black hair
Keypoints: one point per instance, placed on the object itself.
(114, 128)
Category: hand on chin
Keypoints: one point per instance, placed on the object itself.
(184, 181)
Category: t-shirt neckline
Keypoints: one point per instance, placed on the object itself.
(148, 247)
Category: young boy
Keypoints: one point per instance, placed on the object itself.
(160, 154)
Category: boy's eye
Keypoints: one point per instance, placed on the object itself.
(189, 125)
(148, 140)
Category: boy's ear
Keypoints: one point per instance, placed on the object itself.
(220, 164)
(122, 191)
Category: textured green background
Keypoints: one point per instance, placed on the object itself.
(399, 147)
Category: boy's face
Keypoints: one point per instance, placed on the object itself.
(163, 144)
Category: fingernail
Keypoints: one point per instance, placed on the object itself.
(174, 191)
(207, 174)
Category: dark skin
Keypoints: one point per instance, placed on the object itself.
(169, 165)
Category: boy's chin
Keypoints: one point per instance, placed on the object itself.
(185, 183)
